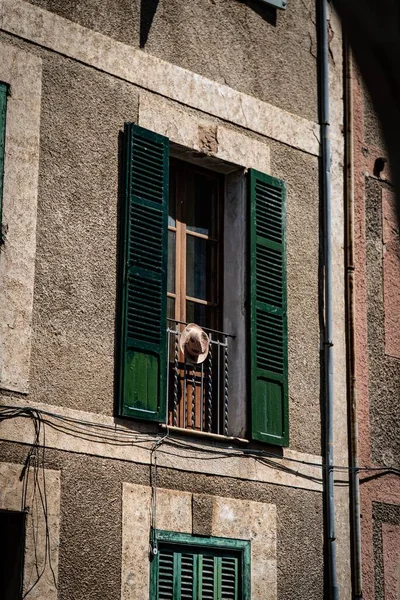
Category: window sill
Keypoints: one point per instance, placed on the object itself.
(204, 434)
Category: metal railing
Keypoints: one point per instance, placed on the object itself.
(198, 395)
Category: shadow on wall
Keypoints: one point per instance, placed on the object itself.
(148, 9)
(268, 13)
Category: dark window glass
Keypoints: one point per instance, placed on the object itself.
(200, 204)
(201, 268)
(195, 244)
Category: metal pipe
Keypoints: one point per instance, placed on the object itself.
(328, 332)
(355, 518)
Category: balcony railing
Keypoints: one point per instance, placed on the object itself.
(198, 395)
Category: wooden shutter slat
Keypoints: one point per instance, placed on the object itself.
(207, 578)
(197, 574)
(166, 576)
(144, 293)
(229, 578)
(268, 311)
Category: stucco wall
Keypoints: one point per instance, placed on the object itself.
(384, 370)
(74, 305)
(118, 18)
(255, 49)
(90, 86)
(82, 116)
(91, 531)
(377, 369)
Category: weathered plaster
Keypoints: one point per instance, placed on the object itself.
(231, 518)
(91, 531)
(120, 20)
(36, 556)
(384, 381)
(72, 364)
(73, 342)
(360, 260)
(56, 33)
(391, 273)
(247, 520)
(249, 46)
(299, 171)
(391, 560)
(136, 448)
(23, 72)
(252, 48)
(202, 509)
(371, 364)
(186, 129)
(385, 513)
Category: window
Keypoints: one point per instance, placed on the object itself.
(194, 568)
(3, 108)
(194, 291)
(12, 535)
(194, 245)
(172, 267)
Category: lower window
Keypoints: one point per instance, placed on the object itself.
(196, 568)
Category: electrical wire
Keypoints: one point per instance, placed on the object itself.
(153, 504)
(34, 467)
(90, 431)
(33, 477)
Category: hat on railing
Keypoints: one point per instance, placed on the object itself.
(194, 343)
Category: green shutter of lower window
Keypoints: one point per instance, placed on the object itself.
(3, 108)
(144, 293)
(268, 311)
(197, 576)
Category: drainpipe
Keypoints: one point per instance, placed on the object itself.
(328, 337)
(355, 520)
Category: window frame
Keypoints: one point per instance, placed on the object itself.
(179, 173)
(193, 543)
(143, 323)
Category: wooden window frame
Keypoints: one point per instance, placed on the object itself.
(179, 171)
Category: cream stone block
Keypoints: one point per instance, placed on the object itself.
(23, 72)
(174, 511)
(136, 501)
(149, 72)
(232, 518)
(170, 119)
(254, 521)
(11, 494)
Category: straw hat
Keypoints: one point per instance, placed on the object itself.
(194, 343)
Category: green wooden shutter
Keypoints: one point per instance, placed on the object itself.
(268, 311)
(185, 575)
(144, 279)
(3, 109)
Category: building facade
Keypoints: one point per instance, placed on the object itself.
(162, 165)
(376, 347)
